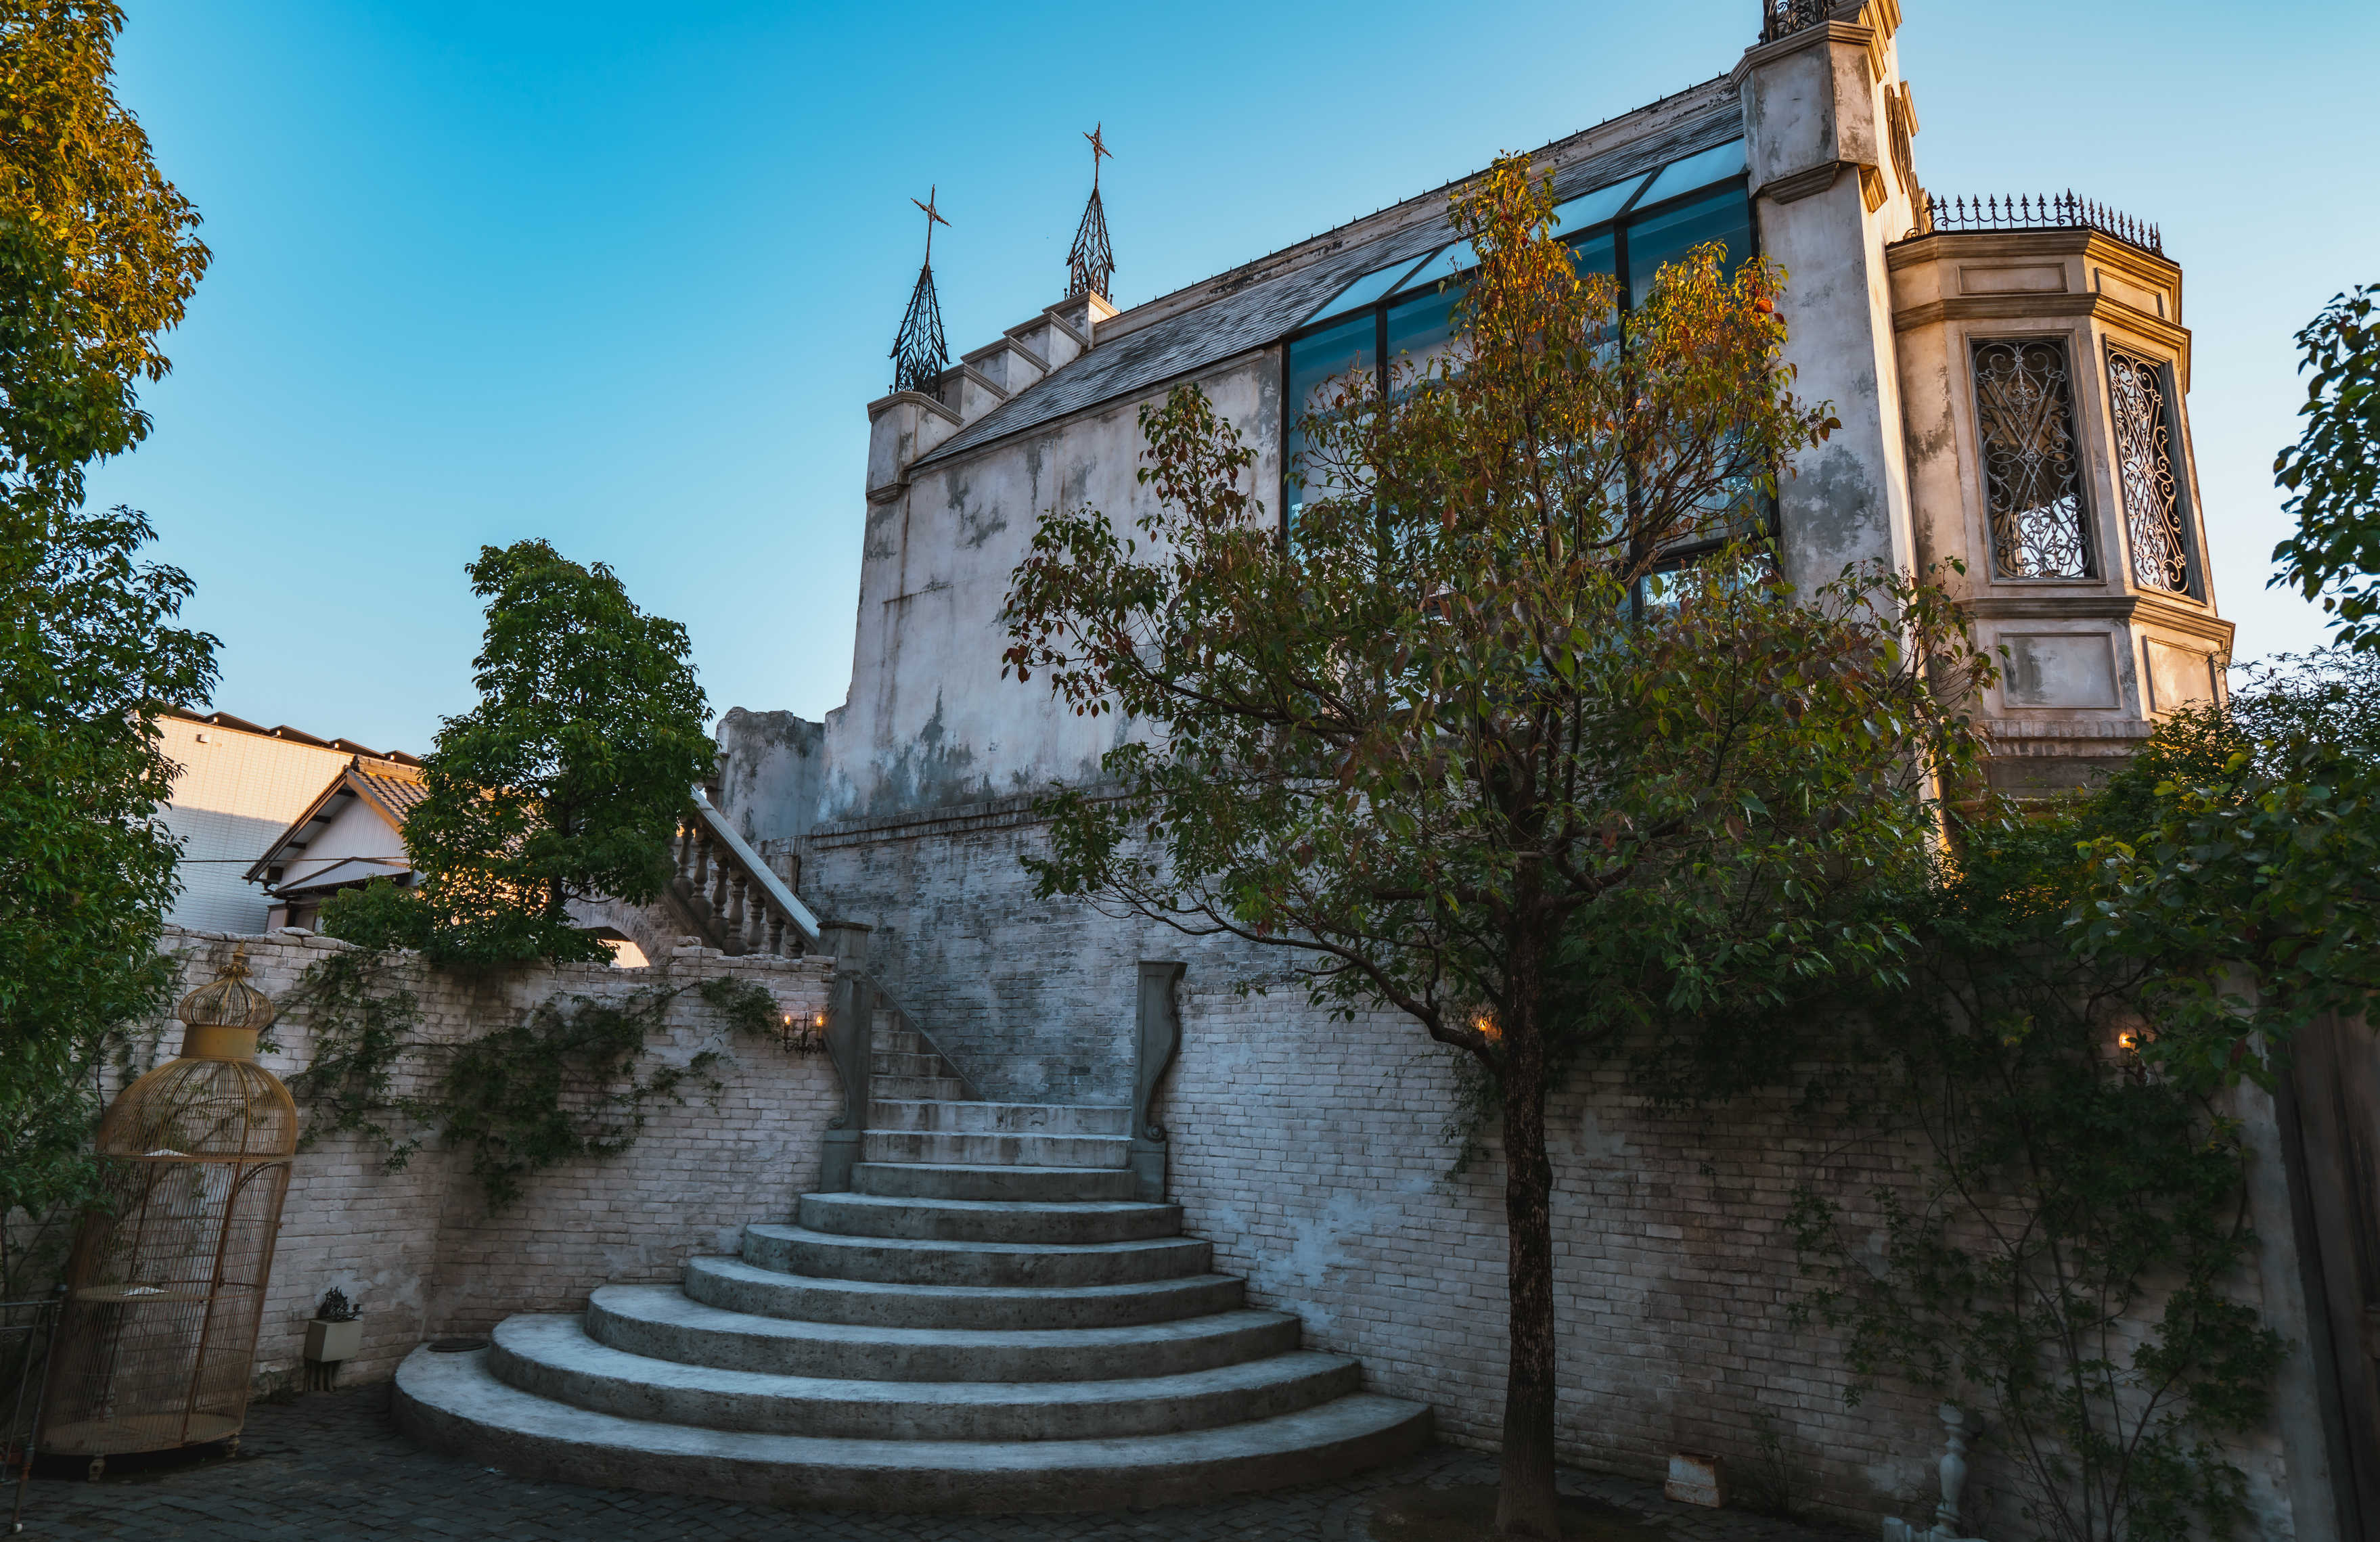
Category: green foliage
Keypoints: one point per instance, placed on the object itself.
(562, 1083)
(571, 1078)
(568, 779)
(379, 915)
(75, 166)
(747, 1008)
(2333, 471)
(2248, 887)
(2065, 1257)
(1467, 743)
(96, 260)
(362, 1024)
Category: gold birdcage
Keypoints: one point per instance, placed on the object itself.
(166, 1286)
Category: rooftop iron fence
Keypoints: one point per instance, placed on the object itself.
(2053, 212)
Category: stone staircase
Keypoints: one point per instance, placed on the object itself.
(988, 1321)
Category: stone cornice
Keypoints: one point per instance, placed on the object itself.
(1851, 32)
(2023, 306)
(2172, 615)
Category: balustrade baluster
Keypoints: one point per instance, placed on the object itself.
(719, 885)
(776, 933)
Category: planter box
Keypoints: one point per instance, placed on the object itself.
(333, 1341)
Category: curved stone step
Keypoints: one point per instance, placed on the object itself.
(898, 1260)
(732, 1285)
(661, 1322)
(942, 1181)
(887, 1112)
(867, 1215)
(982, 1149)
(942, 1089)
(553, 1357)
(453, 1402)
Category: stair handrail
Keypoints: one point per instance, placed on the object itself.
(707, 834)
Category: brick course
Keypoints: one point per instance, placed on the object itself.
(418, 1250)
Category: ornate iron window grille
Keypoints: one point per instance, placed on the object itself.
(1090, 263)
(2053, 212)
(2136, 398)
(2033, 475)
(920, 355)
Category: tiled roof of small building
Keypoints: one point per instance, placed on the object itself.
(395, 787)
(1261, 309)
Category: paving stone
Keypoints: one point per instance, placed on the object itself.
(331, 1468)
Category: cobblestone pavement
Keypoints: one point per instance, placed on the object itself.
(330, 1467)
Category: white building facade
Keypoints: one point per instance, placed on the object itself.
(2011, 386)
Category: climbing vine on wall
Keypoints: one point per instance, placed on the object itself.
(572, 1076)
(2063, 1259)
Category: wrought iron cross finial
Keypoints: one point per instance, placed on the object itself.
(920, 355)
(1090, 265)
(933, 218)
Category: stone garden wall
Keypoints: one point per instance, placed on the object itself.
(1317, 1156)
(419, 1250)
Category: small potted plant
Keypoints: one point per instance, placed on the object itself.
(332, 1338)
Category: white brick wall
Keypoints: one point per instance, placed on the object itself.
(418, 1249)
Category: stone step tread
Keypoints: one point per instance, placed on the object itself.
(923, 1089)
(561, 1340)
(783, 1233)
(977, 1148)
(997, 1206)
(989, 1167)
(985, 1103)
(1051, 1296)
(667, 1304)
(454, 1401)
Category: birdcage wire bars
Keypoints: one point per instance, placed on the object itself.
(166, 1285)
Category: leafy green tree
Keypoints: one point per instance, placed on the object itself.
(565, 782)
(75, 165)
(88, 652)
(2333, 471)
(2248, 883)
(1472, 743)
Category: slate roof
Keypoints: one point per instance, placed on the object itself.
(1267, 308)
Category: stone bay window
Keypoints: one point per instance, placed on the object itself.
(2041, 369)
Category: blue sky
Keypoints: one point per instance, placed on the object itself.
(625, 276)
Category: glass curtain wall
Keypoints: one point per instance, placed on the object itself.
(1402, 313)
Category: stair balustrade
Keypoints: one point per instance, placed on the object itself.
(727, 894)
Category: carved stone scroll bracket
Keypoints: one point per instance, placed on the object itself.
(1157, 1038)
(850, 1035)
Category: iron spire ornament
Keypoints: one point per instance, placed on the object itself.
(1090, 266)
(920, 355)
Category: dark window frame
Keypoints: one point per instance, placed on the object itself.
(1617, 227)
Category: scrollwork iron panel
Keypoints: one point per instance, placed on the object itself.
(2136, 398)
(2032, 474)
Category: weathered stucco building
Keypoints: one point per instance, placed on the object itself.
(2011, 386)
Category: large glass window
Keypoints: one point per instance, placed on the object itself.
(1666, 234)
(1317, 361)
(1403, 311)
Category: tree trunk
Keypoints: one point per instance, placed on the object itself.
(1525, 1505)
